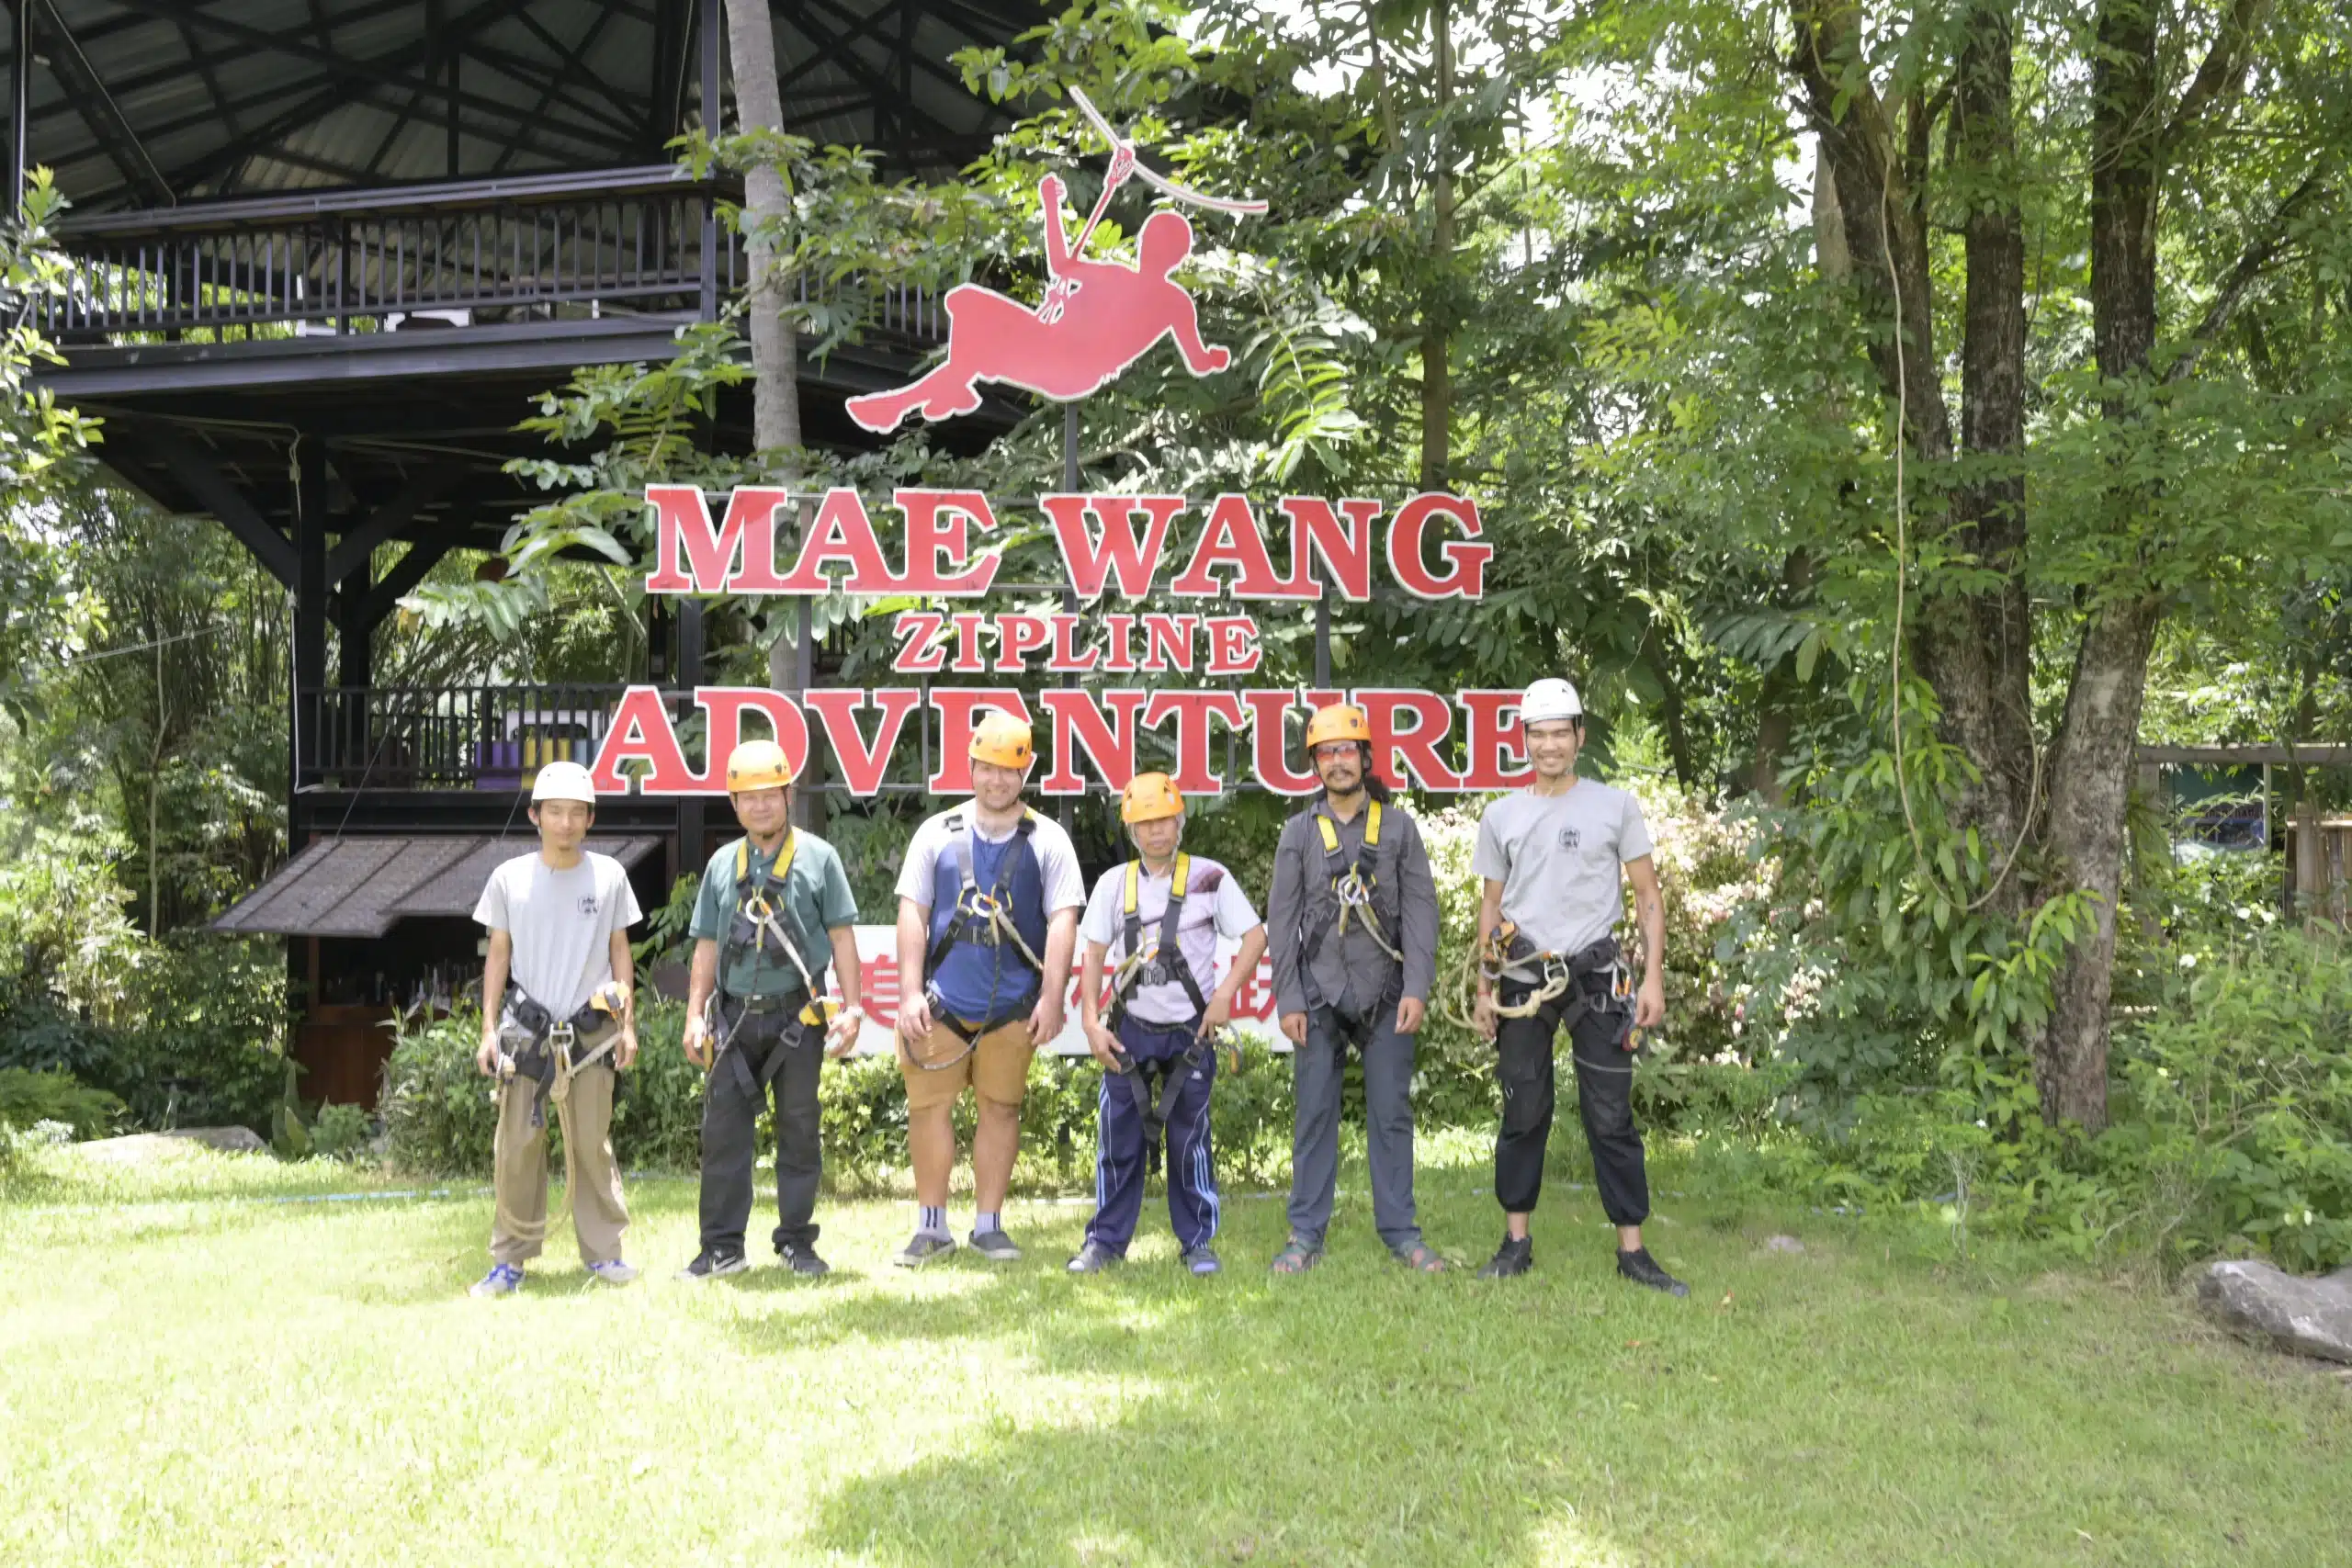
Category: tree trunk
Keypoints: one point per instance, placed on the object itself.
(2091, 763)
(2091, 784)
(1437, 375)
(1986, 639)
(775, 350)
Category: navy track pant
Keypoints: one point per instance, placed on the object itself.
(1119, 1169)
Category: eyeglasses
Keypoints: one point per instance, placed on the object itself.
(1330, 749)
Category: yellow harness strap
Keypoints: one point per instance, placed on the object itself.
(763, 917)
(1331, 833)
(1134, 901)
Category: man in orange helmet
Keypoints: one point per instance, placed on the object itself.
(1164, 911)
(774, 912)
(1354, 921)
(988, 917)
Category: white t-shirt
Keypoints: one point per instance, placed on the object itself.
(1056, 858)
(563, 923)
(1558, 856)
(1215, 906)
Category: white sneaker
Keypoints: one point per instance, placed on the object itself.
(504, 1279)
(613, 1272)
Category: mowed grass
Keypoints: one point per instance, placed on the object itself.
(198, 1371)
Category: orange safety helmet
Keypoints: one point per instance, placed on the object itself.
(758, 764)
(1148, 797)
(1344, 721)
(1003, 740)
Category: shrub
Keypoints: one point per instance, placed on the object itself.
(195, 1022)
(28, 1099)
(341, 1131)
(438, 1117)
(2233, 1124)
(203, 1044)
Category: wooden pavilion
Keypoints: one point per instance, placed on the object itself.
(326, 251)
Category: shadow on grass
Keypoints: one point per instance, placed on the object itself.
(1359, 1416)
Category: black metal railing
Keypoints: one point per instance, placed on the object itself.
(472, 253)
(426, 738)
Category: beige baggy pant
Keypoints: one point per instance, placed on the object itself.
(592, 1182)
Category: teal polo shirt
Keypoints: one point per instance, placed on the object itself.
(816, 894)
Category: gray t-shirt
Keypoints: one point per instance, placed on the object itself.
(1558, 856)
(563, 923)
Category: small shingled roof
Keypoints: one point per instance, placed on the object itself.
(358, 886)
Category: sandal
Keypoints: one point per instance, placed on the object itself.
(1297, 1258)
(1420, 1259)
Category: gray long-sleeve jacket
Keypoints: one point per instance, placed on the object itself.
(1350, 971)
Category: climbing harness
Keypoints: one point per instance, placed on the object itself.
(1159, 965)
(758, 918)
(1162, 963)
(1354, 887)
(547, 1043)
(1503, 956)
(983, 919)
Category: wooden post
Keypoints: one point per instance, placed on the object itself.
(2303, 863)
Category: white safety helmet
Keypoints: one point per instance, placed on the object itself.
(1548, 699)
(564, 781)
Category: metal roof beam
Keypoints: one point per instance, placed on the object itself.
(571, 67)
(130, 86)
(217, 165)
(96, 105)
(343, 69)
(531, 75)
(923, 62)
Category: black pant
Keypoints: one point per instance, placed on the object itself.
(780, 1050)
(1605, 1095)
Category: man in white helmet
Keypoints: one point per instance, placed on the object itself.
(1549, 855)
(559, 1022)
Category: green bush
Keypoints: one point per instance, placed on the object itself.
(28, 1097)
(439, 1120)
(205, 1046)
(341, 1131)
(2232, 1127)
(194, 1039)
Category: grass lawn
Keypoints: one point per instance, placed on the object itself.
(201, 1371)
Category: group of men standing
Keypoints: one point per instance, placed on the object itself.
(994, 915)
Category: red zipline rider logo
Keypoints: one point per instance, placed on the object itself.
(1098, 317)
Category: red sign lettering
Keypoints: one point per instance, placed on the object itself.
(861, 766)
(1468, 561)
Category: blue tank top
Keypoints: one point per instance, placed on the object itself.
(978, 983)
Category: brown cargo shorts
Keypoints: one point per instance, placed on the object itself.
(997, 1066)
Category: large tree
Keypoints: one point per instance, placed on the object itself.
(2051, 221)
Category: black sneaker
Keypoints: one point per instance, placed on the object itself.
(1642, 1269)
(802, 1260)
(1513, 1259)
(926, 1246)
(995, 1246)
(1092, 1258)
(711, 1264)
